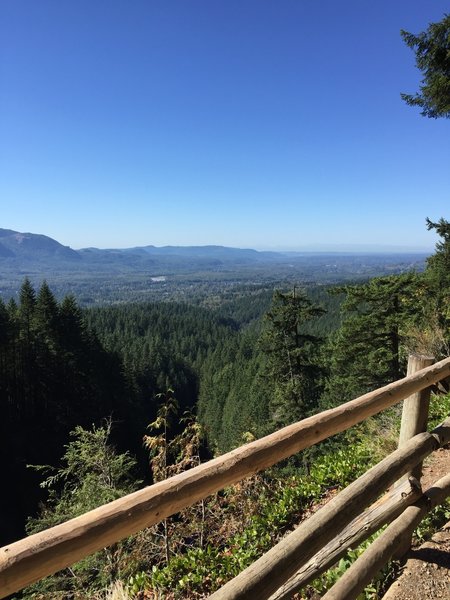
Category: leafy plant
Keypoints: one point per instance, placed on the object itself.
(92, 473)
(275, 508)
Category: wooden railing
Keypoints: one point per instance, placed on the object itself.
(316, 544)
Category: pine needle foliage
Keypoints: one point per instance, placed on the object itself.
(432, 49)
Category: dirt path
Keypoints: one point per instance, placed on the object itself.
(426, 575)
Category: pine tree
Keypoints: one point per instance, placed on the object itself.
(366, 350)
(47, 315)
(432, 48)
(27, 369)
(292, 356)
(438, 276)
(27, 305)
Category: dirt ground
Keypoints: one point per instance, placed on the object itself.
(426, 575)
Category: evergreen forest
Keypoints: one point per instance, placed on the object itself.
(141, 391)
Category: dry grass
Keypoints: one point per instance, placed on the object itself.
(117, 592)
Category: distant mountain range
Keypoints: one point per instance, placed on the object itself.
(23, 253)
(101, 275)
(212, 255)
(36, 248)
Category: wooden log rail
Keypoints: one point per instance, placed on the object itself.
(383, 511)
(363, 570)
(281, 562)
(44, 553)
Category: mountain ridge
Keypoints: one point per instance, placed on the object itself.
(38, 254)
(17, 244)
(24, 246)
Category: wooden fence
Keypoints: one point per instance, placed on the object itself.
(349, 518)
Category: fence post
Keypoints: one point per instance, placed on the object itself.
(415, 408)
(414, 421)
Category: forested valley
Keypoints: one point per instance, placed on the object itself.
(142, 390)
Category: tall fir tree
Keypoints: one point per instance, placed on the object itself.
(438, 276)
(292, 356)
(366, 351)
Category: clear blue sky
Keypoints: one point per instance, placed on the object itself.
(250, 123)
